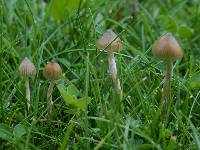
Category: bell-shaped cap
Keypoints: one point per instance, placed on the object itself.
(167, 48)
(27, 68)
(52, 71)
(109, 40)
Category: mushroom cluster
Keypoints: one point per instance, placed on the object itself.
(52, 72)
(165, 48)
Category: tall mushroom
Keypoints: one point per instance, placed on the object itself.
(52, 71)
(27, 69)
(111, 42)
(167, 49)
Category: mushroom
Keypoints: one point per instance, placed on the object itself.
(27, 69)
(167, 49)
(111, 42)
(52, 71)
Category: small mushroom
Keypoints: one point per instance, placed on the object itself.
(111, 42)
(52, 71)
(167, 49)
(27, 69)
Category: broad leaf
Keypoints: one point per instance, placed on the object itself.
(195, 81)
(70, 95)
(19, 131)
(73, 91)
(185, 32)
(83, 102)
(59, 9)
(5, 132)
(67, 98)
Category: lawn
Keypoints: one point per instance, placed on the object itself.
(87, 113)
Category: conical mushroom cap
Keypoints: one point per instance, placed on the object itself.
(52, 71)
(27, 68)
(111, 39)
(167, 48)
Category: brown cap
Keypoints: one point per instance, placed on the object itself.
(27, 68)
(167, 48)
(111, 39)
(52, 71)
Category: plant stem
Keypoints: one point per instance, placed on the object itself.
(49, 98)
(166, 88)
(113, 71)
(116, 82)
(28, 94)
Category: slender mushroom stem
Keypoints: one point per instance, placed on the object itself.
(166, 88)
(27, 92)
(113, 71)
(49, 97)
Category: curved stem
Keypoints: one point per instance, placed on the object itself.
(28, 94)
(49, 97)
(113, 71)
(166, 88)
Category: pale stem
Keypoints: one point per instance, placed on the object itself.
(49, 97)
(166, 88)
(113, 71)
(27, 92)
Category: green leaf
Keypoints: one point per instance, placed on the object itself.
(195, 135)
(65, 62)
(99, 23)
(73, 5)
(168, 22)
(5, 132)
(73, 91)
(165, 133)
(185, 32)
(195, 81)
(171, 24)
(10, 4)
(172, 143)
(83, 102)
(71, 111)
(70, 96)
(67, 97)
(59, 9)
(8, 45)
(146, 147)
(19, 131)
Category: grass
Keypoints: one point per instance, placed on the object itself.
(29, 30)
